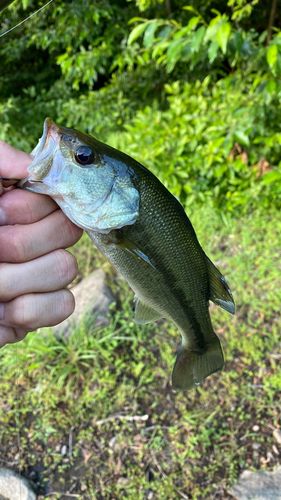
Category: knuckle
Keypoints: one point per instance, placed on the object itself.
(18, 246)
(27, 208)
(4, 284)
(23, 314)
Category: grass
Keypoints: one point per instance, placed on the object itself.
(72, 402)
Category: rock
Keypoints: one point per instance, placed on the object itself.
(256, 428)
(112, 442)
(258, 486)
(92, 298)
(123, 482)
(275, 449)
(15, 487)
(277, 435)
(63, 449)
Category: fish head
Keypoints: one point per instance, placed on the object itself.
(91, 182)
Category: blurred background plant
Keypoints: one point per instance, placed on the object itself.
(198, 86)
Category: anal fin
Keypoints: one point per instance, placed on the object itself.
(220, 292)
(145, 314)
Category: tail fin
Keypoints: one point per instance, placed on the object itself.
(192, 366)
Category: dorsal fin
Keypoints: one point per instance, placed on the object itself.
(144, 313)
(220, 292)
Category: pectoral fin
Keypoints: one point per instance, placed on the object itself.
(118, 238)
(145, 314)
(220, 292)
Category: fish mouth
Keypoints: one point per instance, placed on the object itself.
(43, 154)
(45, 147)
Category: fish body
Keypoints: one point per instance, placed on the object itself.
(144, 233)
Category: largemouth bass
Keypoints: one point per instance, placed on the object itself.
(144, 232)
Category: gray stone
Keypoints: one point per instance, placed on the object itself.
(123, 482)
(256, 428)
(15, 487)
(277, 435)
(256, 445)
(64, 449)
(258, 486)
(92, 300)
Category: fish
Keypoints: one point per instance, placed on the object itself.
(144, 232)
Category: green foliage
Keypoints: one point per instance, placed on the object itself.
(241, 8)
(207, 45)
(199, 91)
(58, 57)
(208, 143)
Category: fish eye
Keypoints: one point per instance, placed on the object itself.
(84, 155)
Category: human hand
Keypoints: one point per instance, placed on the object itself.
(35, 268)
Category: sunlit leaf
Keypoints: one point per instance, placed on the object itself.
(149, 33)
(212, 51)
(273, 176)
(223, 36)
(136, 32)
(192, 23)
(197, 38)
(271, 86)
(271, 55)
(241, 137)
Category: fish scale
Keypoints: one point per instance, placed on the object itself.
(144, 232)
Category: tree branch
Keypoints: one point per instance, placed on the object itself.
(271, 20)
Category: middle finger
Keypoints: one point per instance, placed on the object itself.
(22, 243)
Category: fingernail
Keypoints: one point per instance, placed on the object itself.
(1, 310)
(3, 220)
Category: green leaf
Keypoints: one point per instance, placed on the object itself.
(241, 137)
(212, 29)
(192, 23)
(271, 86)
(25, 4)
(271, 55)
(197, 38)
(263, 36)
(149, 34)
(134, 19)
(272, 176)
(212, 51)
(136, 32)
(191, 9)
(223, 36)
(238, 41)
(173, 52)
(215, 11)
